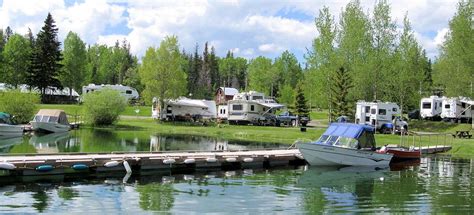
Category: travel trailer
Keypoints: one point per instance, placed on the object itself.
(384, 116)
(457, 109)
(223, 112)
(184, 109)
(431, 108)
(52, 94)
(128, 92)
(252, 107)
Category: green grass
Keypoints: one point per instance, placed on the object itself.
(72, 110)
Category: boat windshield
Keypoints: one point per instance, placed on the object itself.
(345, 142)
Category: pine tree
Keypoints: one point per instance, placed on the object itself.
(341, 83)
(301, 105)
(46, 58)
(205, 75)
(8, 33)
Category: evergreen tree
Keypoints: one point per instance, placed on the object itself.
(301, 105)
(2, 44)
(205, 75)
(214, 70)
(8, 33)
(195, 65)
(341, 83)
(46, 58)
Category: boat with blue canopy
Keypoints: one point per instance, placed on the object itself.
(344, 144)
(7, 128)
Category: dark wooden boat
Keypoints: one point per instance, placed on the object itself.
(402, 153)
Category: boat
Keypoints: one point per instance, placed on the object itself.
(344, 144)
(50, 121)
(7, 128)
(401, 153)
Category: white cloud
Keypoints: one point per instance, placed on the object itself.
(249, 28)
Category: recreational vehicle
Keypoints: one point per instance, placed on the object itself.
(457, 109)
(252, 107)
(384, 116)
(128, 92)
(184, 109)
(430, 108)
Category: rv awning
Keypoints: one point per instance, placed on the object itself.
(272, 105)
(347, 130)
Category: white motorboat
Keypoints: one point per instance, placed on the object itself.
(344, 144)
(7, 128)
(50, 121)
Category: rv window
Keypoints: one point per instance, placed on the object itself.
(382, 111)
(394, 109)
(373, 111)
(447, 106)
(436, 105)
(367, 109)
(257, 97)
(367, 118)
(224, 111)
(128, 92)
(426, 105)
(252, 108)
(237, 107)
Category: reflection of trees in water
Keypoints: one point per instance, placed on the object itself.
(42, 199)
(67, 193)
(156, 196)
(95, 140)
(314, 201)
(23, 147)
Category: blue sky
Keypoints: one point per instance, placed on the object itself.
(249, 28)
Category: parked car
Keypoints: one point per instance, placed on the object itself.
(289, 119)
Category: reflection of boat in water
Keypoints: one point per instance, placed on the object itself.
(7, 142)
(48, 143)
(331, 176)
(344, 144)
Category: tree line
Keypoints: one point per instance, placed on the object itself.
(361, 57)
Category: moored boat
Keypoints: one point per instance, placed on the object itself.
(401, 153)
(7, 128)
(50, 121)
(344, 144)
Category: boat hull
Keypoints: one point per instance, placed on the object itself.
(7, 131)
(404, 154)
(324, 155)
(48, 127)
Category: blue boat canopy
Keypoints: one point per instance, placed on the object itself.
(347, 130)
(5, 118)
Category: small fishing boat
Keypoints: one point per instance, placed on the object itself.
(7, 128)
(401, 153)
(50, 121)
(344, 144)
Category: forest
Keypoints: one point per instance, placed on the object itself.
(364, 56)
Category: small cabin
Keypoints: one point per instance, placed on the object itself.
(224, 94)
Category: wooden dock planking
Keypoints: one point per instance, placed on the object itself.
(62, 163)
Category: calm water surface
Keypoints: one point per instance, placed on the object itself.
(434, 185)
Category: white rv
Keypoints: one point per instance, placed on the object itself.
(381, 115)
(184, 109)
(431, 108)
(252, 107)
(457, 109)
(128, 92)
(223, 112)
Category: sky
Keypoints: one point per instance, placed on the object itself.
(249, 28)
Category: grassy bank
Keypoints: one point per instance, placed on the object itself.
(72, 110)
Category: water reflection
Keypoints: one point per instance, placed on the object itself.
(437, 185)
(101, 140)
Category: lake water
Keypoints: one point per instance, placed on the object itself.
(436, 185)
(88, 140)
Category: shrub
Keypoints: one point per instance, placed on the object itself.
(20, 105)
(103, 107)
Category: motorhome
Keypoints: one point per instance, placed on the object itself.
(457, 109)
(128, 92)
(431, 108)
(184, 109)
(252, 107)
(381, 115)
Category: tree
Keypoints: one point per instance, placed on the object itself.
(17, 55)
(103, 107)
(194, 68)
(46, 58)
(162, 72)
(204, 80)
(287, 65)
(453, 69)
(286, 95)
(301, 105)
(74, 62)
(8, 33)
(261, 75)
(342, 83)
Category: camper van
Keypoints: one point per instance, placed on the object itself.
(252, 107)
(128, 92)
(381, 115)
(457, 109)
(431, 108)
(184, 109)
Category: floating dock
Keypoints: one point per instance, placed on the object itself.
(53, 164)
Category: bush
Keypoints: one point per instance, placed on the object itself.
(20, 105)
(103, 107)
